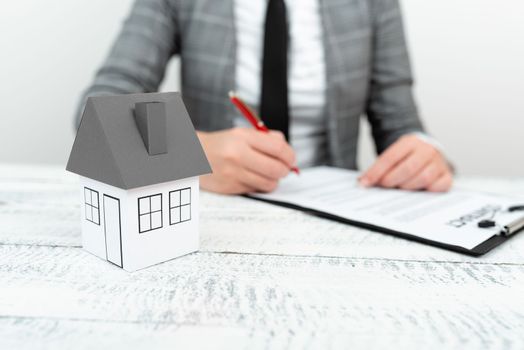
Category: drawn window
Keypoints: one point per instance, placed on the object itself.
(92, 205)
(179, 206)
(150, 213)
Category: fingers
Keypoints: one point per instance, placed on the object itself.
(426, 177)
(273, 144)
(242, 180)
(258, 155)
(407, 168)
(386, 161)
(269, 160)
(442, 184)
(213, 183)
(263, 164)
(237, 181)
(410, 164)
(257, 182)
(245, 160)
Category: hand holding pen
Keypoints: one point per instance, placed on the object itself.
(252, 118)
(245, 160)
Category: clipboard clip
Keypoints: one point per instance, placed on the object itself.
(513, 227)
(509, 229)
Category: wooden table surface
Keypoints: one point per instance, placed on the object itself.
(266, 278)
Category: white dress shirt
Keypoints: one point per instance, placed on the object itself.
(306, 76)
(306, 79)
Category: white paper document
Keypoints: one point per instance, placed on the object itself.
(449, 218)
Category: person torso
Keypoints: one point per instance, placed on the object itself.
(306, 77)
(208, 49)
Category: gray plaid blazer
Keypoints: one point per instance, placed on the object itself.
(367, 66)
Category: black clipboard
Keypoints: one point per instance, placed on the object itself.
(477, 251)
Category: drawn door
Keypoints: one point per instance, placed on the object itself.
(113, 230)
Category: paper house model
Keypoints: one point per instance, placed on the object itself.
(139, 159)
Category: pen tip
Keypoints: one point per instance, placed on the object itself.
(231, 93)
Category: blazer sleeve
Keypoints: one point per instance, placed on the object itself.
(391, 108)
(138, 58)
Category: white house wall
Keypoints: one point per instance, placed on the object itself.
(93, 235)
(152, 247)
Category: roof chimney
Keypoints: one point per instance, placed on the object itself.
(151, 122)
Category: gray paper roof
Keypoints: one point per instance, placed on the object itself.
(109, 148)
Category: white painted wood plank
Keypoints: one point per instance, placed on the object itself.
(29, 333)
(23, 333)
(329, 299)
(40, 207)
(388, 292)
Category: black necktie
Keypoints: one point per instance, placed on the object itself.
(273, 98)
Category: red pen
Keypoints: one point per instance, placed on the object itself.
(252, 118)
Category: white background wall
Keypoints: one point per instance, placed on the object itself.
(468, 57)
